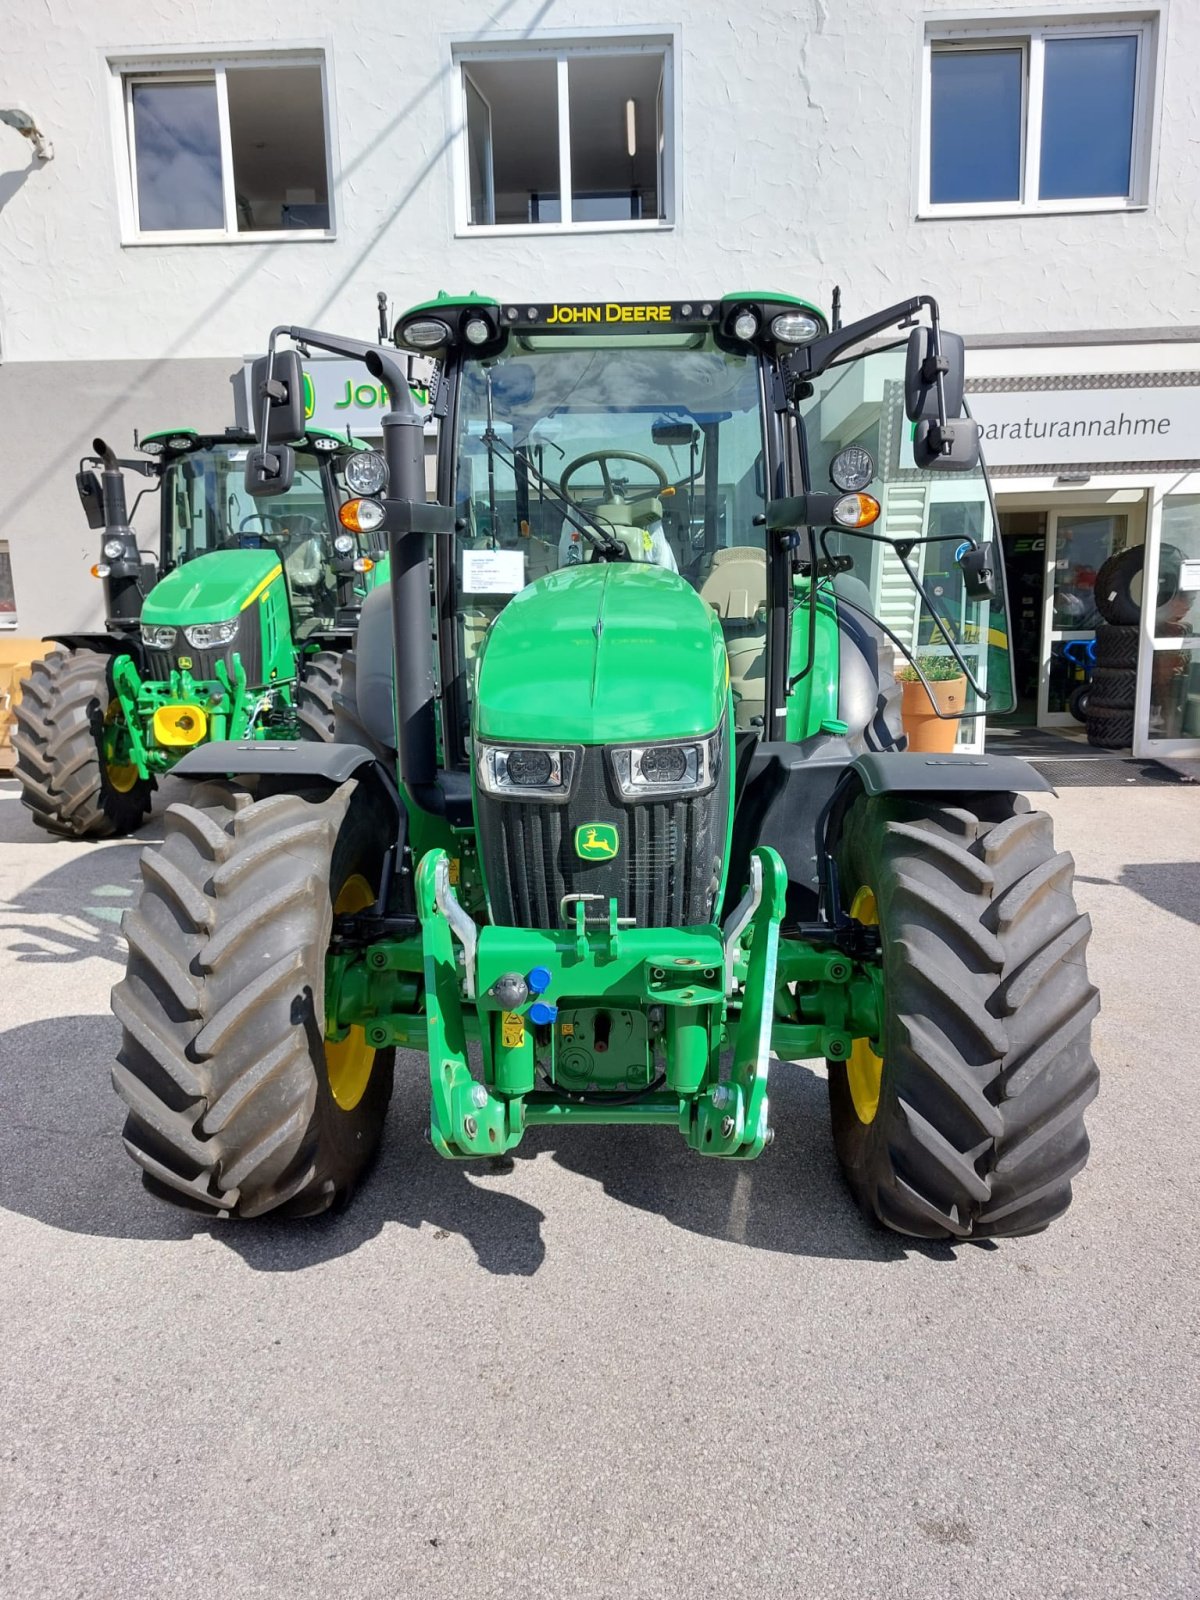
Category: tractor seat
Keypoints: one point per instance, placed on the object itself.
(734, 583)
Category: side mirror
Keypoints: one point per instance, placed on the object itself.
(978, 566)
(92, 498)
(953, 448)
(286, 419)
(270, 470)
(921, 370)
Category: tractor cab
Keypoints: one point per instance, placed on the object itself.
(206, 510)
(658, 436)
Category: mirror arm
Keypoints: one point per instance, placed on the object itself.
(378, 362)
(811, 359)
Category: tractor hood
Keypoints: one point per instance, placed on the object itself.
(212, 588)
(602, 653)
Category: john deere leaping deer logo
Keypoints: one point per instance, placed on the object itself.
(596, 841)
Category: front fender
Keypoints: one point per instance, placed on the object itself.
(289, 758)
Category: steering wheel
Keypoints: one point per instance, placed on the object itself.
(253, 516)
(602, 458)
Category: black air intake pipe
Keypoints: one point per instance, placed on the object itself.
(122, 586)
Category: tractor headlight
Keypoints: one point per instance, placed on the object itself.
(365, 472)
(344, 544)
(525, 772)
(745, 326)
(113, 549)
(204, 635)
(426, 333)
(645, 771)
(794, 327)
(158, 636)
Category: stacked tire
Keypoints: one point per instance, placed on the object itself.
(1111, 692)
(1114, 682)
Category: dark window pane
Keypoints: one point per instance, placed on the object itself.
(178, 149)
(614, 137)
(523, 156)
(277, 130)
(479, 155)
(975, 130)
(1087, 117)
(8, 598)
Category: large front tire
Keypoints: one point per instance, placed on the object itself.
(237, 1103)
(71, 781)
(968, 1122)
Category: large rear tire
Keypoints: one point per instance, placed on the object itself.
(237, 1102)
(320, 680)
(69, 781)
(965, 1118)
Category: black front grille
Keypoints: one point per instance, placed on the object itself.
(247, 642)
(665, 874)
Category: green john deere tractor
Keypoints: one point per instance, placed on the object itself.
(233, 629)
(627, 812)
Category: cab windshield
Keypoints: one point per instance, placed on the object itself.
(206, 508)
(655, 441)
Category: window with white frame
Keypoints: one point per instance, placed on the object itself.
(1039, 117)
(566, 137)
(8, 595)
(227, 149)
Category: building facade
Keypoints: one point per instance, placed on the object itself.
(1034, 167)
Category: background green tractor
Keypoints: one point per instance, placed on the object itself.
(634, 816)
(232, 629)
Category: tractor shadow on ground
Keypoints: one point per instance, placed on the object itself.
(1172, 886)
(62, 1164)
(791, 1199)
(73, 911)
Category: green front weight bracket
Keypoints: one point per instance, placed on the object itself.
(681, 977)
(465, 1120)
(731, 1119)
(126, 686)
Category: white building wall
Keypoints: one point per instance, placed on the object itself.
(796, 170)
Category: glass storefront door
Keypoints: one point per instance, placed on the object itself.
(1078, 543)
(1167, 719)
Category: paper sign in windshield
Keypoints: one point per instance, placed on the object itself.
(493, 571)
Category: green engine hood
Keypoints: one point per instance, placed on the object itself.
(602, 653)
(212, 588)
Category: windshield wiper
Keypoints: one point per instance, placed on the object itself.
(601, 538)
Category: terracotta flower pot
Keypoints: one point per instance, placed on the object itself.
(926, 731)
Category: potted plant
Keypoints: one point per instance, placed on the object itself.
(920, 707)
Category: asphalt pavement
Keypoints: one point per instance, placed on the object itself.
(617, 1370)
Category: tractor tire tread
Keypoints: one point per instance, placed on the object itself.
(320, 679)
(988, 1068)
(59, 757)
(221, 1003)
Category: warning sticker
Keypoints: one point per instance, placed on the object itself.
(512, 1029)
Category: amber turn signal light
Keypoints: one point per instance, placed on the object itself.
(856, 511)
(361, 516)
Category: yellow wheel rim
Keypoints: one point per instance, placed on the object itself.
(121, 777)
(864, 1069)
(348, 1061)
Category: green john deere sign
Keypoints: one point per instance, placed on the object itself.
(596, 841)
